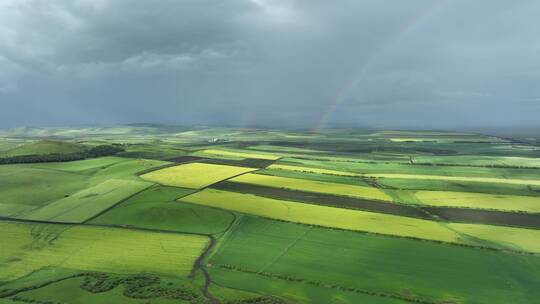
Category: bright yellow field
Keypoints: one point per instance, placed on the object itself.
(458, 178)
(479, 200)
(311, 170)
(520, 239)
(312, 186)
(194, 175)
(322, 215)
(240, 154)
(29, 247)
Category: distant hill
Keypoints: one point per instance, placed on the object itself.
(55, 151)
(90, 131)
(44, 147)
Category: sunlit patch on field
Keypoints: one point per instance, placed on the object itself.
(30, 247)
(480, 200)
(313, 186)
(534, 182)
(194, 175)
(322, 215)
(312, 170)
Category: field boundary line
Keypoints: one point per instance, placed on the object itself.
(115, 204)
(298, 280)
(286, 249)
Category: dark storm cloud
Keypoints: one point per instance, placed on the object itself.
(262, 62)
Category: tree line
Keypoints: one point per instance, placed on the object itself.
(97, 151)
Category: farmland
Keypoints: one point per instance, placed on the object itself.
(513, 181)
(232, 216)
(237, 154)
(94, 249)
(480, 201)
(312, 186)
(193, 175)
(305, 256)
(311, 170)
(86, 203)
(322, 216)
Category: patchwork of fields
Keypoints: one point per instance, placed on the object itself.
(237, 154)
(312, 186)
(254, 216)
(532, 182)
(86, 203)
(303, 256)
(480, 201)
(194, 175)
(322, 215)
(30, 247)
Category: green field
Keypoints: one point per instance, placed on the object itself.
(321, 177)
(30, 247)
(43, 147)
(157, 208)
(194, 175)
(513, 181)
(238, 154)
(70, 291)
(474, 160)
(402, 168)
(332, 260)
(86, 203)
(311, 170)
(322, 215)
(312, 186)
(29, 188)
(479, 200)
(512, 238)
(459, 186)
(267, 216)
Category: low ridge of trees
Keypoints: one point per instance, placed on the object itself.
(92, 152)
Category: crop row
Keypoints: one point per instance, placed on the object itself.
(332, 286)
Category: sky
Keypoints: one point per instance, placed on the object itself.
(277, 63)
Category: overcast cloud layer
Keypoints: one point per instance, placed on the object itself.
(312, 63)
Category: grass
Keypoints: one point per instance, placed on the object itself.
(260, 250)
(91, 166)
(295, 292)
(512, 238)
(479, 200)
(291, 237)
(280, 149)
(69, 291)
(412, 139)
(533, 182)
(323, 215)
(311, 170)
(157, 208)
(239, 154)
(44, 147)
(478, 160)
(312, 186)
(459, 186)
(340, 179)
(24, 187)
(29, 247)
(389, 168)
(194, 175)
(88, 202)
(91, 184)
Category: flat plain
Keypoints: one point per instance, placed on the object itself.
(312, 186)
(30, 247)
(253, 216)
(194, 175)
